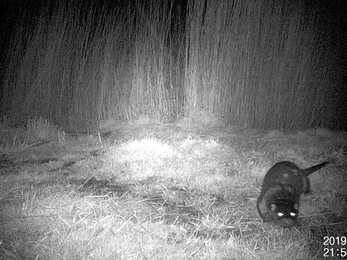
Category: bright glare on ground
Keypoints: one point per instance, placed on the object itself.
(165, 194)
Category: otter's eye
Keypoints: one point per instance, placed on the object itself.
(280, 214)
(292, 214)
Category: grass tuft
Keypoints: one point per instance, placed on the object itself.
(147, 198)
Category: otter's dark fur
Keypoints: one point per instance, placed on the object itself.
(282, 187)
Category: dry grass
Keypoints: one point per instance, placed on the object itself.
(256, 63)
(84, 63)
(34, 132)
(235, 60)
(145, 196)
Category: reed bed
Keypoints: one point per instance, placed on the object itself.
(262, 64)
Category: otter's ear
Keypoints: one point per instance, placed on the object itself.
(273, 207)
(296, 206)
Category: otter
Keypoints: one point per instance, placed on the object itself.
(281, 190)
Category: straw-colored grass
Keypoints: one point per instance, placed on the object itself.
(262, 64)
(84, 63)
(191, 197)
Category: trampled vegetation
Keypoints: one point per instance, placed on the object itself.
(162, 192)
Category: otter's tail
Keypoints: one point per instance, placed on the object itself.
(314, 168)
